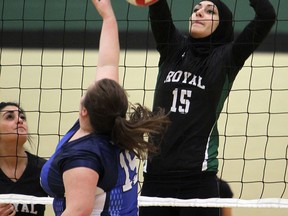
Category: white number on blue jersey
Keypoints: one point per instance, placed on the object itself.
(128, 163)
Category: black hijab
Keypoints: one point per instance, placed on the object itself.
(223, 34)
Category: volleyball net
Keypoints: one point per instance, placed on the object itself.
(48, 57)
(166, 202)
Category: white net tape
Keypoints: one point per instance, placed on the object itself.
(24, 199)
(214, 202)
(156, 201)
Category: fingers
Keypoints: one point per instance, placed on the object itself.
(7, 209)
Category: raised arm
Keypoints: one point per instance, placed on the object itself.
(81, 182)
(161, 21)
(163, 28)
(109, 50)
(256, 31)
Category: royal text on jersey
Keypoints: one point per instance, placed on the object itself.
(185, 77)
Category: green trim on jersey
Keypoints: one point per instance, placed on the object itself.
(213, 140)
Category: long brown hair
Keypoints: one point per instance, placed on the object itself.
(107, 105)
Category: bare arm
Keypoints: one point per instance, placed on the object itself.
(81, 183)
(226, 212)
(109, 50)
(80, 190)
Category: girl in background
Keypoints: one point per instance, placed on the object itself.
(19, 169)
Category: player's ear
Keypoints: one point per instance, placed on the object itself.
(83, 111)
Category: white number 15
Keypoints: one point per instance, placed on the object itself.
(181, 98)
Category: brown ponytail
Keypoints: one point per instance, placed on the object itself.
(107, 105)
(136, 133)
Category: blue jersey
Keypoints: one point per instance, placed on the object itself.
(117, 185)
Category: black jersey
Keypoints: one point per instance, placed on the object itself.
(28, 184)
(193, 88)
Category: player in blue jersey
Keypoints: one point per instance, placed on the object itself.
(93, 170)
(19, 169)
(196, 73)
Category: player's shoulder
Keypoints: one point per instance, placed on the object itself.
(101, 140)
(90, 144)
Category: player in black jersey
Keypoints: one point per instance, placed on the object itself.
(19, 169)
(196, 73)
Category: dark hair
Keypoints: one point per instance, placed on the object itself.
(5, 104)
(20, 109)
(107, 105)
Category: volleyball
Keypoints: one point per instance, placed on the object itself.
(142, 3)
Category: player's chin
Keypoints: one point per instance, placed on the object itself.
(22, 137)
(194, 33)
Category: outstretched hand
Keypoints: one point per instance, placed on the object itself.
(104, 8)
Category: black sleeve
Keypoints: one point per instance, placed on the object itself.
(164, 31)
(255, 32)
